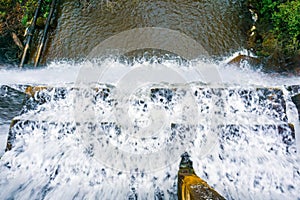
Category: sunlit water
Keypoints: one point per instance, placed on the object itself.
(71, 142)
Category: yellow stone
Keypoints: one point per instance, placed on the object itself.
(190, 186)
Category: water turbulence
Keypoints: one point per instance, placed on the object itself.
(94, 141)
(115, 128)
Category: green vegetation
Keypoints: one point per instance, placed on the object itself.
(278, 27)
(29, 7)
(287, 25)
(15, 16)
(4, 4)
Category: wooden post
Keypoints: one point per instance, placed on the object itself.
(30, 33)
(42, 43)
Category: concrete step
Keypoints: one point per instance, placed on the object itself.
(267, 102)
(111, 130)
(229, 112)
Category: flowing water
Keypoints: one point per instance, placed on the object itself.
(219, 26)
(102, 129)
(71, 143)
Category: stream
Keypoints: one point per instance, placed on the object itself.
(128, 87)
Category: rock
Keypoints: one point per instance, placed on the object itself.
(11, 135)
(190, 186)
(296, 100)
(241, 58)
(296, 64)
(293, 89)
(32, 90)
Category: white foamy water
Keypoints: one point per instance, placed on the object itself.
(73, 142)
(197, 70)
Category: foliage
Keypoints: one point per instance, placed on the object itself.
(287, 24)
(29, 7)
(279, 25)
(3, 5)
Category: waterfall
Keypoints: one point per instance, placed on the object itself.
(83, 131)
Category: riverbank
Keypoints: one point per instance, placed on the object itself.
(275, 34)
(15, 18)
